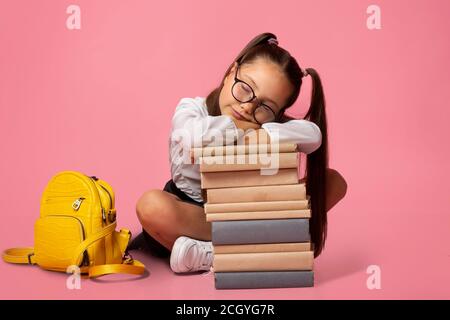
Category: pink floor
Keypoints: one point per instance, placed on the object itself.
(412, 265)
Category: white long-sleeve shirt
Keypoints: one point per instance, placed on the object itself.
(192, 126)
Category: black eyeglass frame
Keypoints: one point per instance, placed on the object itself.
(236, 80)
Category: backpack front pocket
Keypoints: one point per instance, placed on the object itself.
(56, 238)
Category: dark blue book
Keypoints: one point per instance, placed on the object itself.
(260, 231)
(270, 279)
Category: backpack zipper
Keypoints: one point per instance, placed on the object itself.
(77, 203)
(94, 178)
(109, 195)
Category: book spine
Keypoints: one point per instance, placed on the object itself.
(259, 215)
(267, 261)
(258, 280)
(257, 193)
(267, 162)
(260, 231)
(266, 247)
(256, 206)
(227, 179)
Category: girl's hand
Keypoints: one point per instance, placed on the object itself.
(253, 133)
(245, 125)
(258, 136)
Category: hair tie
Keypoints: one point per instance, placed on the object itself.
(273, 41)
(304, 72)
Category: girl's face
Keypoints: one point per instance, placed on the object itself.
(269, 84)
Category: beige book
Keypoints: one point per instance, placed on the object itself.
(242, 162)
(210, 151)
(263, 247)
(256, 193)
(257, 206)
(259, 215)
(270, 261)
(227, 179)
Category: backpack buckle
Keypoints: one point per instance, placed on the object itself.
(29, 257)
(112, 215)
(127, 258)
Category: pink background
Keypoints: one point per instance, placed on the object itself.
(100, 99)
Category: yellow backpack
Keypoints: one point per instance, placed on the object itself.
(77, 227)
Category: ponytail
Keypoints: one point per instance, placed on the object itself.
(316, 166)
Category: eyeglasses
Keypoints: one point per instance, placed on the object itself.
(244, 93)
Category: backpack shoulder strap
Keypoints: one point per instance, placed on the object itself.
(129, 266)
(82, 247)
(19, 255)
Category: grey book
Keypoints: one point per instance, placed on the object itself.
(260, 231)
(266, 279)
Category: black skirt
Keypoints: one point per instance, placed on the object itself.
(172, 188)
(154, 246)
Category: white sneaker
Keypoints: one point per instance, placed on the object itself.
(190, 255)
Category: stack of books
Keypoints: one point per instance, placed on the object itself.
(259, 212)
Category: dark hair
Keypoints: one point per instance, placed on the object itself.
(317, 161)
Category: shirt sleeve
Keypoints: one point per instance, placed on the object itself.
(193, 127)
(304, 133)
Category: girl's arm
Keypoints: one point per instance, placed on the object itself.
(304, 133)
(193, 127)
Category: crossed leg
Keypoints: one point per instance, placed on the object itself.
(165, 217)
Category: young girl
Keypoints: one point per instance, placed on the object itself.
(257, 89)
